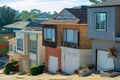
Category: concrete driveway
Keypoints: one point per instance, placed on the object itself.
(46, 76)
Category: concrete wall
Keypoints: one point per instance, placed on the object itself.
(85, 57)
(104, 35)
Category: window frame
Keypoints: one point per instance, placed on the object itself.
(65, 33)
(33, 46)
(105, 27)
(52, 34)
(10, 48)
(20, 47)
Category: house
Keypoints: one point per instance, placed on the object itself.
(29, 46)
(104, 31)
(65, 39)
(4, 44)
(12, 49)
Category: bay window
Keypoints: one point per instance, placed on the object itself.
(49, 34)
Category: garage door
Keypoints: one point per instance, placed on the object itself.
(70, 63)
(103, 62)
(53, 64)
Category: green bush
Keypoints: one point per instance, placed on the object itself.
(11, 66)
(35, 70)
(22, 73)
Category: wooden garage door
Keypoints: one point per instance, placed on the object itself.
(103, 62)
(53, 64)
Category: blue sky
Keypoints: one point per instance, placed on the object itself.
(43, 5)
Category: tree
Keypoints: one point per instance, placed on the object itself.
(7, 16)
(35, 13)
(97, 1)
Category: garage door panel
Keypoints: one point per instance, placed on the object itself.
(70, 63)
(103, 62)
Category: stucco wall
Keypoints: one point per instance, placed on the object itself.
(85, 56)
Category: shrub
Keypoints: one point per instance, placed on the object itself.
(11, 66)
(22, 73)
(90, 66)
(35, 70)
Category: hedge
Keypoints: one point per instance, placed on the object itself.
(35, 70)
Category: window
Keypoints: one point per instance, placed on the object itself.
(101, 21)
(33, 46)
(70, 36)
(49, 34)
(20, 44)
(10, 47)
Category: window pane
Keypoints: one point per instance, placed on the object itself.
(69, 35)
(64, 35)
(75, 36)
(101, 21)
(44, 33)
(49, 34)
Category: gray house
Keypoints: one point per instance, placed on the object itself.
(104, 31)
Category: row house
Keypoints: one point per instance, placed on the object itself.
(104, 31)
(65, 39)
(28, 43)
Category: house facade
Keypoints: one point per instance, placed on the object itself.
(29, 46)
(104, 31)
(12, 49)
(65, 41)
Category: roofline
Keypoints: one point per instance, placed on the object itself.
(30, 32)
(63, 24)
(100, 6)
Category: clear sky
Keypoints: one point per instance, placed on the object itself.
(43, 5)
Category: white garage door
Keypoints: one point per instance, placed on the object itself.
(53, 64)
(70, 63)
(103, 62)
